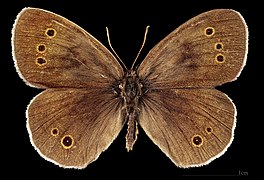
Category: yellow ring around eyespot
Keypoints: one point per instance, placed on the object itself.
(219, 43)
(209, 31)
(52, 132)
(199, 145)
(40, 61)
(221, 60)
(72, 143)
(41, 48)
(50, 32)
(209, 130)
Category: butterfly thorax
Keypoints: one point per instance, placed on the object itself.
(130, 92)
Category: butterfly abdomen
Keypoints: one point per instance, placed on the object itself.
(131, 92)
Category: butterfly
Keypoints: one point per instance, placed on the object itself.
(89, 95)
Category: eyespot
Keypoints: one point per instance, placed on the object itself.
(220, 58)
(67, 141)
(197, 140)
(41, 61)
(54, 132)
(219, 46)
(50, 32)
(209, 31)
(41, 48)
(209, 130)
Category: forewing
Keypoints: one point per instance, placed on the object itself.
(51, 51)
(208, 50)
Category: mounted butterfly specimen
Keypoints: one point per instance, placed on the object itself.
(89, 96)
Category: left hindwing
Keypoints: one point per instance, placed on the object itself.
(72, 127)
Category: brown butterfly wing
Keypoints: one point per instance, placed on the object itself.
(191, 122)
(72, 127)
(206, 51)
(51, 51)
(79, 115)
(191, 126)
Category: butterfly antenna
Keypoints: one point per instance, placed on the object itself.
(109, 42)
(144, 40)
